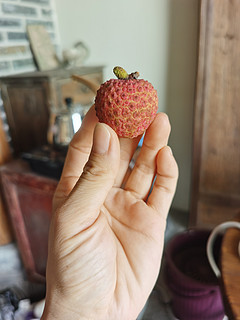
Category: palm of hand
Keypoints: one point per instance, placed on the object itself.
(104, 265)
(124, 247)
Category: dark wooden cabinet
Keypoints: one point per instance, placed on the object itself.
(28, 99)
(216, 151)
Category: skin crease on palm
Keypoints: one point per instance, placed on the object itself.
(106, 239)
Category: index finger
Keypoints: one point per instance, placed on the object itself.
(78, 153)
(80, 146)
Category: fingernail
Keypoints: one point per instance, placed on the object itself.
(101, 139)
(170, 150)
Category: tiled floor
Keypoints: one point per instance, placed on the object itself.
(156, 309)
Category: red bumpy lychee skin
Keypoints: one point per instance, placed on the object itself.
(128, 106)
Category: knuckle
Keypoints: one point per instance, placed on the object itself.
(144, 168)
(80, 148)
(168, 188)
(93, 170)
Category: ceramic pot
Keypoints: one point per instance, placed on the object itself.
(194, 287)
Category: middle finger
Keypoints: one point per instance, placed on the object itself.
(142, 175)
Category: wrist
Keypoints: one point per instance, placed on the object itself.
(63, 314)
(60, 309)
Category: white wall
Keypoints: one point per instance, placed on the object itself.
(181, 74)
(157, 38)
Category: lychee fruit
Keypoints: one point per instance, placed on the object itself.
(127, 104)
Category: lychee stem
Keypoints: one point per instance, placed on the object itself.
(122, 74)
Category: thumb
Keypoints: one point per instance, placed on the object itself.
(87, 197)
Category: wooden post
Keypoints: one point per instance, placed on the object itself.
(5, 156)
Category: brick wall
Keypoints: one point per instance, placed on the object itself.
(15, 15)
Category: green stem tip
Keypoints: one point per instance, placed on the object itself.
(122, 74)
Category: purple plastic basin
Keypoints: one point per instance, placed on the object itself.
(194, 287)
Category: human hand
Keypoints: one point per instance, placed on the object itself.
(106, 241)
